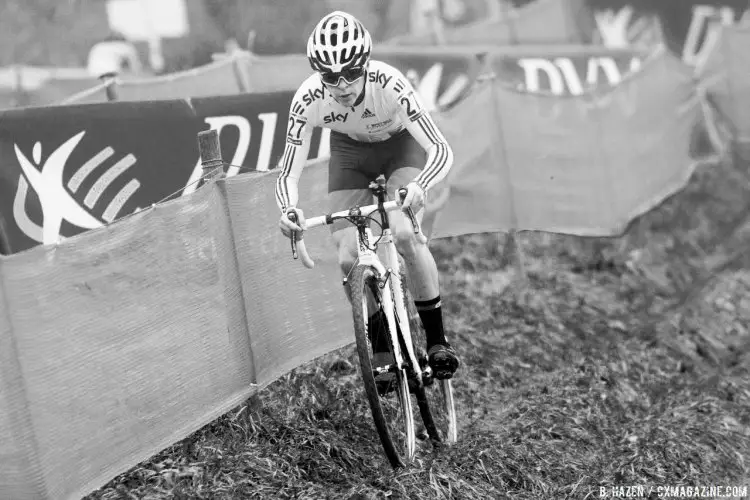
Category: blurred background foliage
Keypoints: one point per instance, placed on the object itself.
(61, 32)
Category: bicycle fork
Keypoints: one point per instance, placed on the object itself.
(393, 297)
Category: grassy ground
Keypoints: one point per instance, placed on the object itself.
(618, 362)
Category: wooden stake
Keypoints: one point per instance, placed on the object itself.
(209, 148)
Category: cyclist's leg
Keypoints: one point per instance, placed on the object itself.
(344, 233)
(349, 176)
(421, 268)
(345, 238)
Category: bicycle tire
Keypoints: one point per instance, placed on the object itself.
(437, 407)
(364, 278)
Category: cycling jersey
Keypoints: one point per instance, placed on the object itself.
(389, 106)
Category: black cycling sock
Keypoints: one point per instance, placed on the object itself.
(431, 314)
(377, 330)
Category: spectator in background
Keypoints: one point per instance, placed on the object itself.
(115, 55)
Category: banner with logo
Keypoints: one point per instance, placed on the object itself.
(68, 169)
(563, 70)
(690, 27)
(252, 130)
(687, 27)
(583, 165)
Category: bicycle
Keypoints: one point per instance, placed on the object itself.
(386, 284)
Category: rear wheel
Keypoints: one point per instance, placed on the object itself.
(391, 413)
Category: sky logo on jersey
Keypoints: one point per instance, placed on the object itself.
(335, 117)
(313, 95)
(380, 77)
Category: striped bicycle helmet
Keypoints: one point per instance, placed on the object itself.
(338, 43)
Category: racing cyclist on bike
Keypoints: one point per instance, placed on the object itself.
(378, 126)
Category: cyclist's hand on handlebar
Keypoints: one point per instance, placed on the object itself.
(287, 226)
(415, 197)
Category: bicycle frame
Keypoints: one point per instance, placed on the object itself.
(389, 270)
(387, 273)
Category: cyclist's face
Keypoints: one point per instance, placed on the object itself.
(346, 93)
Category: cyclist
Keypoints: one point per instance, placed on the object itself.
(378, 126)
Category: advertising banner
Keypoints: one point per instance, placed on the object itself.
(688, 28)
(67, 169)
(583, 165)
(563, 70)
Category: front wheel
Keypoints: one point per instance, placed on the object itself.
(391, 413)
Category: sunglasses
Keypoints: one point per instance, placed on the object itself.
(349, 76)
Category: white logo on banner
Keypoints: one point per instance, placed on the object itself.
(704, 31)
(241, 149)
(622, 29)
(619, 30)
(428, 87)
(57, 202)
(563, 76)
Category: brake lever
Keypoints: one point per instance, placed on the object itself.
(412, 218)
(292, 216)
